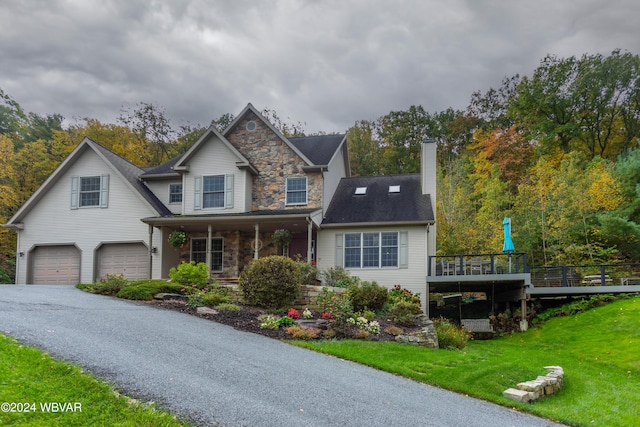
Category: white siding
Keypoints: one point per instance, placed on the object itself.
(336, 170)
(412, 278)
(161, 190)
(215, 158)
(52, 221)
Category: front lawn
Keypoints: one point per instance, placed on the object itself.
(36, 390)
(598, 350)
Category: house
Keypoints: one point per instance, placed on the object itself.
(98, 214)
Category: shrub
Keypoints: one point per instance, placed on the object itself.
(111, 285)
(285, 321)
(190, 274)
(271, 282)
(394, 330)
(368, 295)
(305, 334)
(451, 336)
(398, 293)
(293, 313)
(369, 315)
(361, 334)
(336, 308)
(226, 306)
(144, 290)
(268, 321)
(338, 277)
(405, 313)
(215, 296)
(308, 273)
(307, 314)
(329, 333)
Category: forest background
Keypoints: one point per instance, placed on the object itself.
(557, 151)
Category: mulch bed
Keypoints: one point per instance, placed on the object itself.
(247, 320)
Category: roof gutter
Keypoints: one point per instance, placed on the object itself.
(376, 224)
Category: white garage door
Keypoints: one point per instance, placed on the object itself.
(128, 259)
(56, 265)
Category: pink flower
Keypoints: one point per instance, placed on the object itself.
(293, 313)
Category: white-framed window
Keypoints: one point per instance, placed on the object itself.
(297, 190)
(199, 252)
(379, 249)
(175, 193)
(89, 191)
(213, 192)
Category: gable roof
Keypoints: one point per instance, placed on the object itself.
(377, 205)
(242, 163)
(319, 149)
(165, 170)
(251, 109)
(127, 171)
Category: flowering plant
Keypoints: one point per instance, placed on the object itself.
(374, 327)
(282, 238)
(326, 316)
(293, 313)
(306, 314)
(177, 238)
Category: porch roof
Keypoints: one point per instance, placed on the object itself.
(295, 220)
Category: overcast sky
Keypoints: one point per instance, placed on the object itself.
(323, 63)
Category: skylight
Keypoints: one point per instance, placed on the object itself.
(394, 189)
(361, 190)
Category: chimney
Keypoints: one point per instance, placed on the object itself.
(428, 169)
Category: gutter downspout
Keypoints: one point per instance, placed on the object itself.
(150, 251)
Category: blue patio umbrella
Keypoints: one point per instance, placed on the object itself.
(508, 248)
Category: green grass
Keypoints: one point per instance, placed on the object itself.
(599, 351)
(30, 376)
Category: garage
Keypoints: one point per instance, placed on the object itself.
(128, 259)
(56, 265)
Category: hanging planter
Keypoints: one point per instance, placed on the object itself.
(282, 238)
(178, 238)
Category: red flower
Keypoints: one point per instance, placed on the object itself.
(293, 313)
(327, 316)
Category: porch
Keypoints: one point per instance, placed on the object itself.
(228, 243)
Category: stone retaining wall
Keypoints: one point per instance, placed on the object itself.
(542, 386)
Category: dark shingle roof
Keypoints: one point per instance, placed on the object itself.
(377, 205)
(163, 169)
(319, 149)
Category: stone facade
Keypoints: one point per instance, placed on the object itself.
(275, 162)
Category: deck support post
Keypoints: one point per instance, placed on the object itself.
(524, 325)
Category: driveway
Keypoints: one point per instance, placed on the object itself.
(215, 375)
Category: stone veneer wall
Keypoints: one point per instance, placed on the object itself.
(275, 161)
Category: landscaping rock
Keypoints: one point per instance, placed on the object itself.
(206, 310)
(535, 389)
(166, 296)
(313, 323)
(518, 395)
(425, 337)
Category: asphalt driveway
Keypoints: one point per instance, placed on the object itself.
(215, 375)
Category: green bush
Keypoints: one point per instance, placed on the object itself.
(215, 297)
(368, 295)
(451, 336)
(271, 282)
(338, 277)
(398, 293)
(111, 285)
(405, 313)
(145, 290)
(267, 321)
(225, 306)
(285, 321)
(190, 274)
(308, 273)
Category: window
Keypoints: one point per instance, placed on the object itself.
(214, 191)
(371, 250)
(297, 191)
(89, 191)
(175, 193)
(199, 252)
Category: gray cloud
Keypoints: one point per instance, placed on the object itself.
(326, 63)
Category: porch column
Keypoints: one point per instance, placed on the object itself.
(150, 251)
(309, 239)
(256, 250)
(208, 256)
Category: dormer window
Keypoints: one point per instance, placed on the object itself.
(360, 190)
(394, 189)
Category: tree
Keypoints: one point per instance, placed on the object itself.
(364, 150)
(287, 128)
